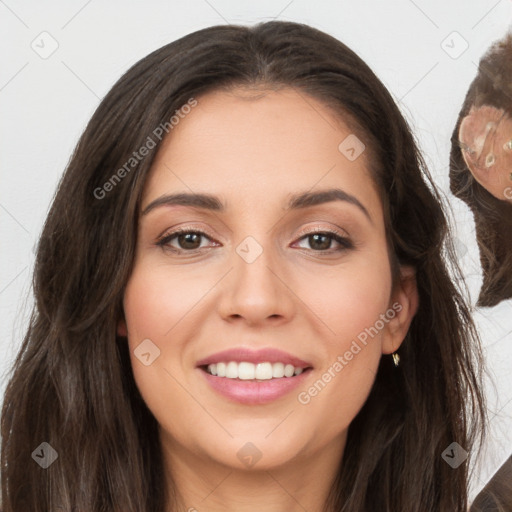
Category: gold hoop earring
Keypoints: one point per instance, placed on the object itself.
(396, 358)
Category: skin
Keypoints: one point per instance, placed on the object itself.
(485, 135)
(254, 150)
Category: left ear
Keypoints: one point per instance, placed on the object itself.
(404, 302)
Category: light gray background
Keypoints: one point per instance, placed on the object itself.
(46, 102)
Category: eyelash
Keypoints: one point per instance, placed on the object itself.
(345, 243)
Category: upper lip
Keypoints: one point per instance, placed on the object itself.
(264, 355)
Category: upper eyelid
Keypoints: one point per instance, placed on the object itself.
(316, 229)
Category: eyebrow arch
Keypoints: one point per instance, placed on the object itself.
(306, 199)
(297, 201)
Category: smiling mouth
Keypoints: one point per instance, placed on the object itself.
(246, 371)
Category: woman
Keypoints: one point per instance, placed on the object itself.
(241, 300)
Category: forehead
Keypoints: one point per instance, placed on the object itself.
(254, 146)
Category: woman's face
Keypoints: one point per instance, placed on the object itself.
(253, 278)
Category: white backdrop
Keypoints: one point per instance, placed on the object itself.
(57, 59)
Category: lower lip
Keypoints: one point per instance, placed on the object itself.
(254, 392)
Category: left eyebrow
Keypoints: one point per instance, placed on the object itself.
(297, 201)
(307, 199)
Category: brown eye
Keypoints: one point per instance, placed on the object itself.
(187, 240)
(321, 241)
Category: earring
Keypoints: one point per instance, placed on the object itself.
(396, 358)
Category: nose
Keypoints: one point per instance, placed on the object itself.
(258, 289)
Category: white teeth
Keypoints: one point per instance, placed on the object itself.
(288, 370)
(263, 371)
(278, 370)
(232, 370)
(250, 371)
(245, 371)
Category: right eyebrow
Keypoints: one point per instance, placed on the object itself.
(206, 201)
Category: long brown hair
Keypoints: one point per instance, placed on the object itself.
(72, 384)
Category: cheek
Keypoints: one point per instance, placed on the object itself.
(158, 302)
(351, 297)
(160, 308)
(352, 301)
(352, 310)
(155, 310)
